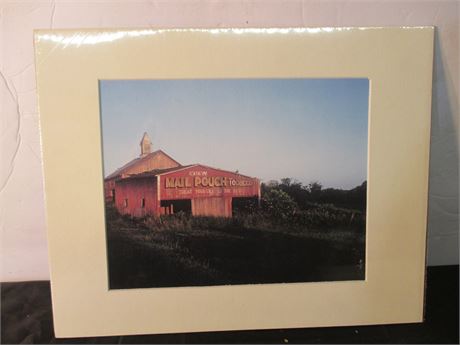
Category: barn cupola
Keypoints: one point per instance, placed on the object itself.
(146, 145)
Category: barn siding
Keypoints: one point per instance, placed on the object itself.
(134, 191)
(155, 161)
(192, 192)
(109, 185)
(212, 207)
(210, 191)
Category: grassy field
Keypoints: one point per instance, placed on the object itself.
(188, 251)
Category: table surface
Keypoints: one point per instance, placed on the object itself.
(26, 317)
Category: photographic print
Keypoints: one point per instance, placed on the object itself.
(234, 181)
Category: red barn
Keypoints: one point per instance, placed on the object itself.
(196, 189)
(147, 161)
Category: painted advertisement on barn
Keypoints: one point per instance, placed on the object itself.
(199, 181)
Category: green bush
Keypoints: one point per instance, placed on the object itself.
(278, 204)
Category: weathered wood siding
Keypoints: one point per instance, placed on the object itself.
(210, 190)
(130, 193)
(109, 186)
(200, 181)
(212, 207)
(152, 162)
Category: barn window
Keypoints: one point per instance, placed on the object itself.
(126, 203)
(142, 202)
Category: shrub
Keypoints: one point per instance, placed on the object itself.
(278, 204)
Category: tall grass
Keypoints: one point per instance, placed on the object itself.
(316, 244)
(318, 217)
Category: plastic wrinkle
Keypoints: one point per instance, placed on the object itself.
(53, 10)
(80, 39)
(13, 95)
(110, 36)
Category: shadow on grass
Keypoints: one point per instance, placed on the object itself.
(140, 257)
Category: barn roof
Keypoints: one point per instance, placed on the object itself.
(158, 172)
(137, 160)
(154, 172)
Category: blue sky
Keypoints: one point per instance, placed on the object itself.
(306, 129)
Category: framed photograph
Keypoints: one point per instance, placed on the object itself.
(202, 218)
(230, 179)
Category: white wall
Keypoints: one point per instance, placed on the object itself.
(23, 254)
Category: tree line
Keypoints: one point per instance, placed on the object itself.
(305, 196)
